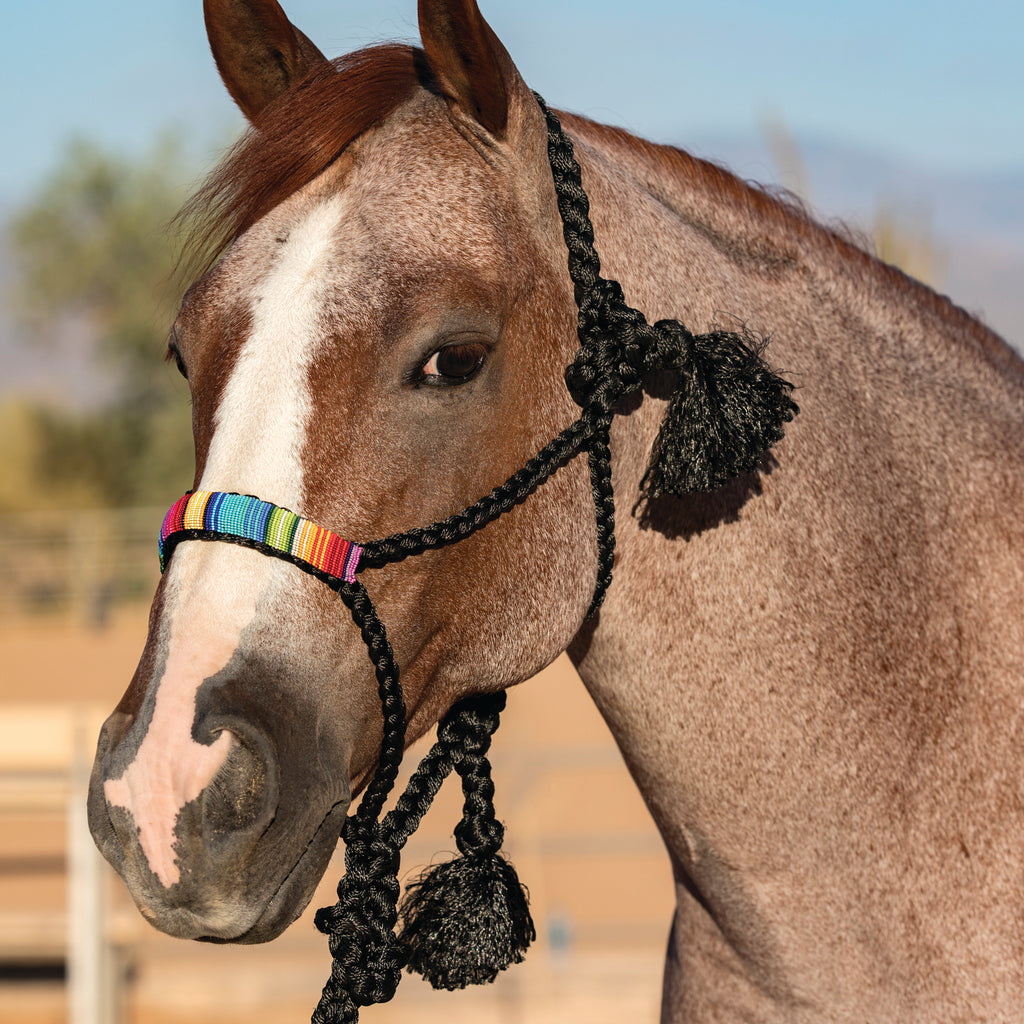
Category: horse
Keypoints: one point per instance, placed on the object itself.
(814, 671)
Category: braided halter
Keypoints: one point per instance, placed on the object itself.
(740, 407)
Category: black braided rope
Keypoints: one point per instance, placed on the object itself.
(367, 959)
(479, 832)
(462, 731)
(389, 689)
(728, 406)
(589, 388)
(600, 459)
(367, 956)
(618, 347)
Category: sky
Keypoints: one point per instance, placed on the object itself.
(939, 84)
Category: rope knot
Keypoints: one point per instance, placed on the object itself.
(728, 408)
(613, 339)
(367, 958)
(619, 348)
(671, 348)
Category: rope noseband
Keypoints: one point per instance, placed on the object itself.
(467, 919)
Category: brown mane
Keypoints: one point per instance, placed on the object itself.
(294, 140)
(787, 216)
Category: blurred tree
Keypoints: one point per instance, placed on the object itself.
(898, 236)
(96, 244)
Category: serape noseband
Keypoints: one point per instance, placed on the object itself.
(252, 522)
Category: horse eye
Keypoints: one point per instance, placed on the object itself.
(454, 364)
(173, 353)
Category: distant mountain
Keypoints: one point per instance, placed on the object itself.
(975, 222)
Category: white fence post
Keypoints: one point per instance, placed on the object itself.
(91, 998)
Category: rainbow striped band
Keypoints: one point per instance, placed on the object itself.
(216, 515)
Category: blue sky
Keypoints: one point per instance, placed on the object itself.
(939, 83)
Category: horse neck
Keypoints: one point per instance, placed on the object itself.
(871, 502)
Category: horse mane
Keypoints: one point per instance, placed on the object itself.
(294, 140)
(787, 217)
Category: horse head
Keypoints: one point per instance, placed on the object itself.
(380, 343)
(814, 675)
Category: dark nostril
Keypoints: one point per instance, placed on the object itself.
(235, 797)
(241, 798)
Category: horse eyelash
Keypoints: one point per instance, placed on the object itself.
(172, 353)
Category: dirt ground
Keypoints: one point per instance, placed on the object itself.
(577, 831)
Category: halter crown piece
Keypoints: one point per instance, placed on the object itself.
(465, 920)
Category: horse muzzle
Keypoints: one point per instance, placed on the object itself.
(237, 861)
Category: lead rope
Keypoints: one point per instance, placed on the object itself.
(464, 920)
(467, 919)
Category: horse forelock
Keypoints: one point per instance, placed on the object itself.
(295, 140)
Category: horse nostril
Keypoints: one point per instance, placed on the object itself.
(238, 797)
(114, 730)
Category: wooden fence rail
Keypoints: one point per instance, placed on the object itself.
(77, 563)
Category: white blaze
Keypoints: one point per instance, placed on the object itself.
(213, 589)
(261, 422)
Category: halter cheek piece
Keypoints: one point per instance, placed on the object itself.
(467, 919)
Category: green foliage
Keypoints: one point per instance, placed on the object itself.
(96, 245)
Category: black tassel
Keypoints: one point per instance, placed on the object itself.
(466, 920)
(728, 409)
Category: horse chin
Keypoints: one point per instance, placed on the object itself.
(296, 890)
(243, 916)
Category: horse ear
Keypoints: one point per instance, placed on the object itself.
(474, 71)
(259, 53)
